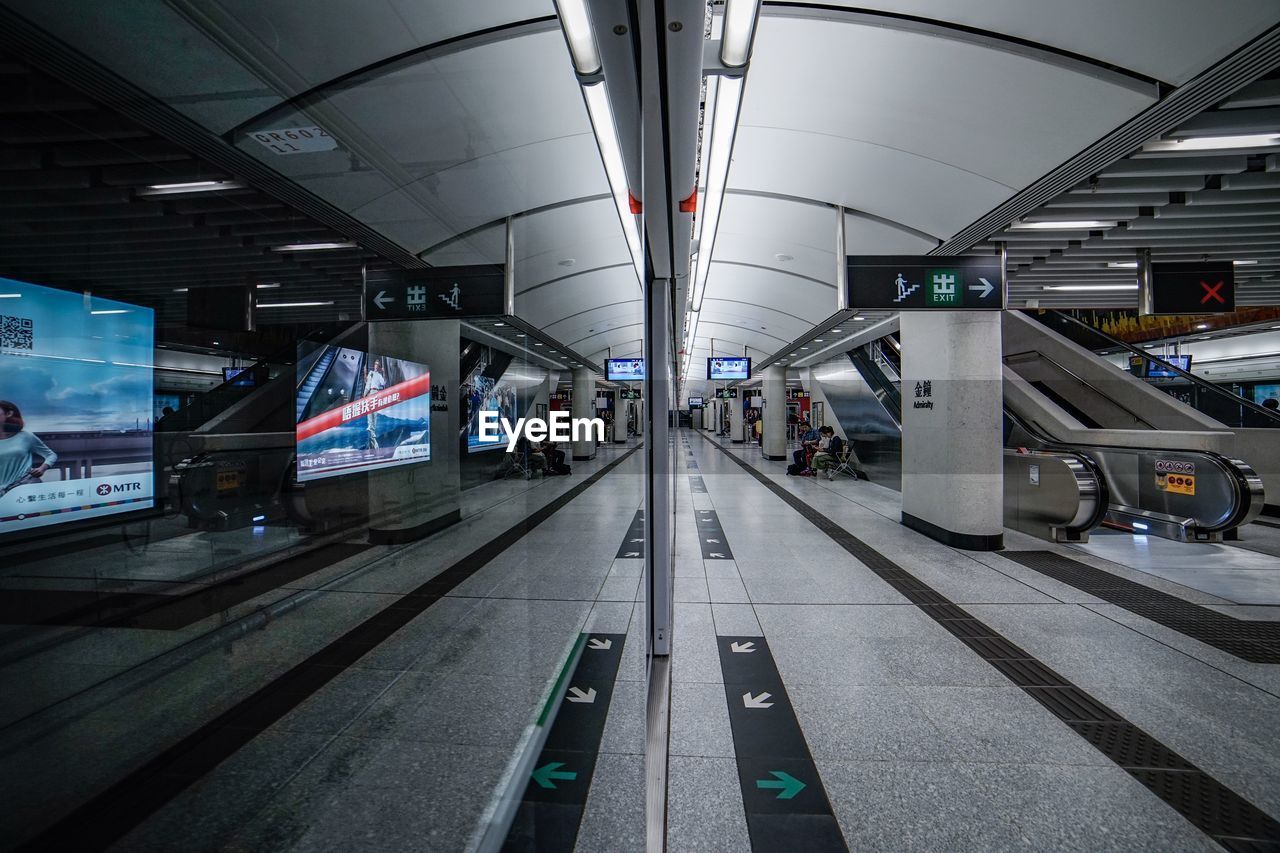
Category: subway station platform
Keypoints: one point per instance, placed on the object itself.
(837, 681)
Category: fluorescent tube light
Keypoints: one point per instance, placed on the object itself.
(111, 311)
(577, 32)
(716, 160)
(266, 286)
(184, 187)
(10, 295)
(1122, 265)
(1215, 143)
(1138, 525)
(1064, 225)
(1244, 263)
(313, 247)
(293, 304)
(601, 113)
(1086, 287)
(738, 31)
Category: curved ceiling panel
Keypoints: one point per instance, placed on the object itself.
(864, 235)
(792, 236)
(1170, 40)
(938, 99)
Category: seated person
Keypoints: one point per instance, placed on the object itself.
(829, 449)
(553, 455)
(808, 441)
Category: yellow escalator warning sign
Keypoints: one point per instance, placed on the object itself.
(1182, 484)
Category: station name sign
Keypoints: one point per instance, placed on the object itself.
(439, 293)
(925, 283)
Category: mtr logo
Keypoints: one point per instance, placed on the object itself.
(105, 489)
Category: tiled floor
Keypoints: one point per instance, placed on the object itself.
(921, 744)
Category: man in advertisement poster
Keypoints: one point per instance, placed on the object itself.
(19, 450)
(374, 382)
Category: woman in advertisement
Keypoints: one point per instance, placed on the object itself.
(19, 449)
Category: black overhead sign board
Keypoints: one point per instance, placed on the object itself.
(1193, 287)
(438, 293)
(925, 283)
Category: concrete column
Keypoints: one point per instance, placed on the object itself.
(735, 418)
(584, 406)
(775, 413)
(952, 445)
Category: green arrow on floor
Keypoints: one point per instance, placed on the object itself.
(787, 784)
(546, 775)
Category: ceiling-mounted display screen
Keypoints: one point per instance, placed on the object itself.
(624, 369)
(721, 369)
(359, 411)
(76, 406)
(1156, 370)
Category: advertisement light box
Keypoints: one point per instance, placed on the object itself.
(359, 411)
(76, 397)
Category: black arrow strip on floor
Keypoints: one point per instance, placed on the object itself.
(697, 485)
(786, 805)
(632, 547)
(1216, 810)
(550, 812)
(714, 544)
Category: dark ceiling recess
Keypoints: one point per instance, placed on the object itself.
(76, 211)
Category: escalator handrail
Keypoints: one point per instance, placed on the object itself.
(1079, 381)
(1200, 383)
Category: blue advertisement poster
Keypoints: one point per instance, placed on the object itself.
(76, 402)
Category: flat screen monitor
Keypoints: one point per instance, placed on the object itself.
(720, 369)
(1156, 370)
(245, 375)
(624, 369)
(695, 402)
(359, 411)
(76, 376)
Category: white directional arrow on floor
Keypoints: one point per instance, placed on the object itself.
(632, 554)
(600, 644)
(714, 541)
(748, 647)
(637, 540)
(714, 554)
(749, 701)
(579, 696)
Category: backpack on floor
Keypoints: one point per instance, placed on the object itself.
(793, 469)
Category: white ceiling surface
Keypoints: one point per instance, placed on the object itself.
(431, 152)
(1170, 40)
(923, 128)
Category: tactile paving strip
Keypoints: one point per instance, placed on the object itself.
(1256, 642)
(1218, 811)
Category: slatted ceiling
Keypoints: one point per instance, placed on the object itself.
(70, 215)
(1189, 206)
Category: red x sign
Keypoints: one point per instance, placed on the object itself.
(1212, 293)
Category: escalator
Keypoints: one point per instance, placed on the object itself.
(1084, 445)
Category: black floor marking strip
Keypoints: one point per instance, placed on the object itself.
(1216, 810)
(786, 805)
(1266, 523)
(551, 810)
(632, 547)
(697, 485)
(714, 544)
(1257, 642)
(101, 821)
